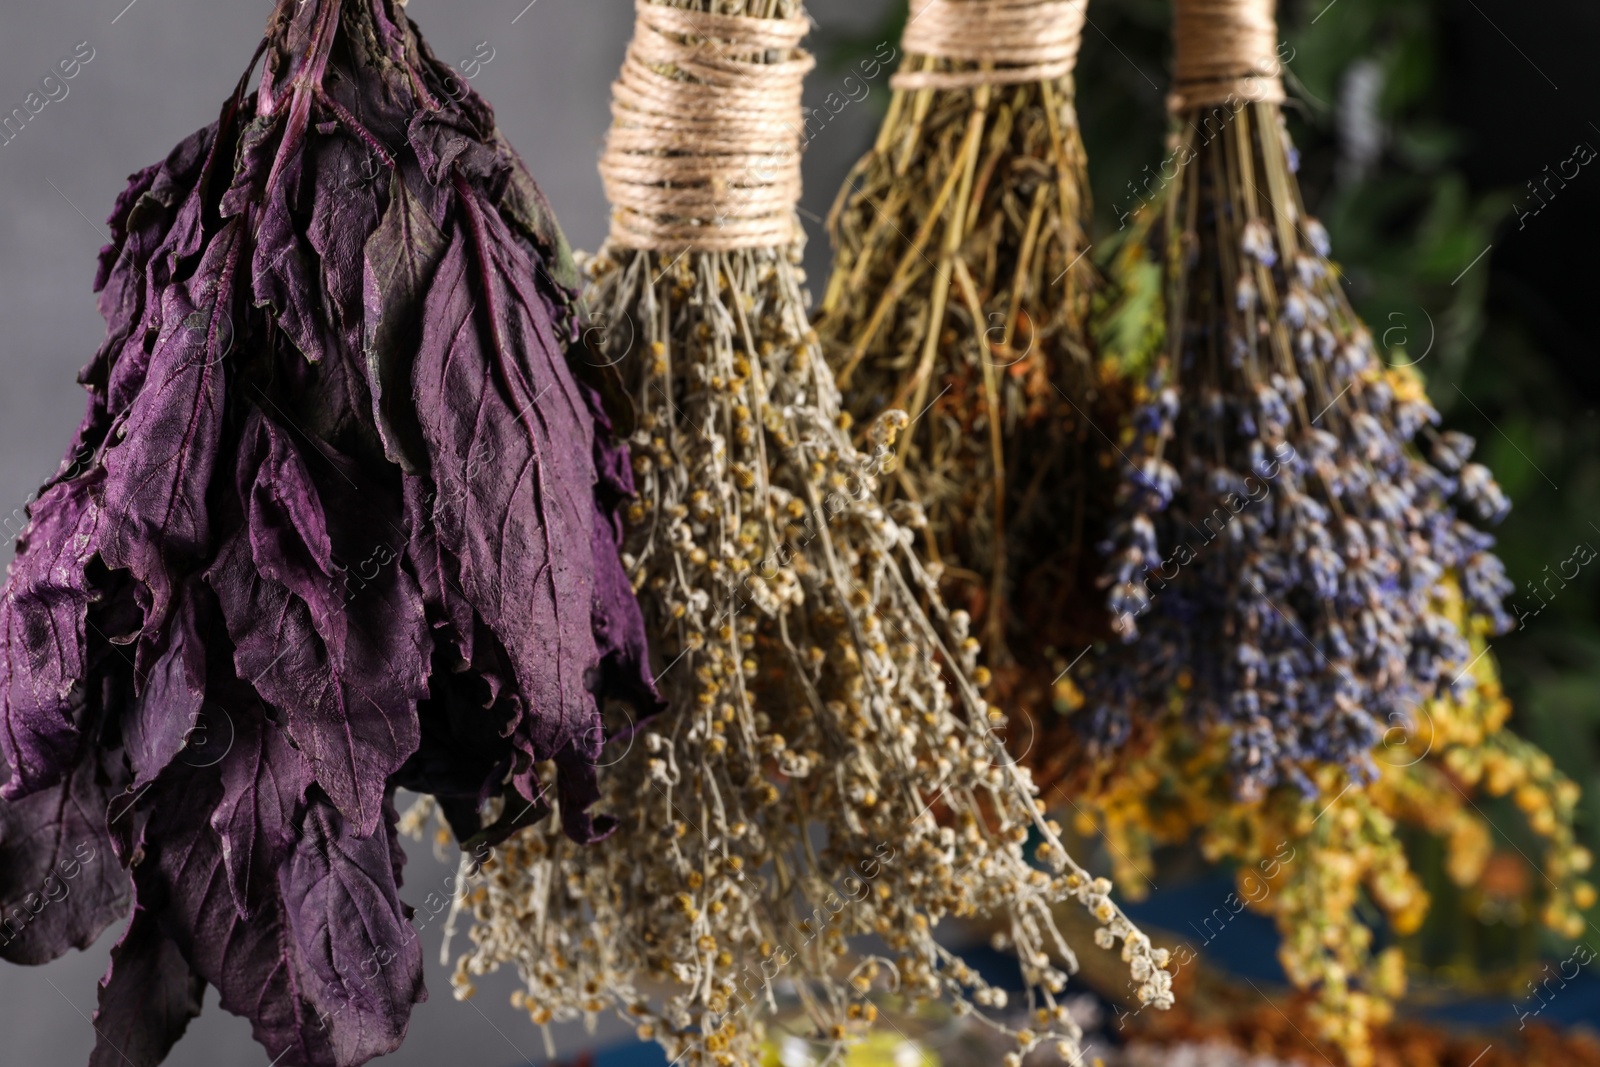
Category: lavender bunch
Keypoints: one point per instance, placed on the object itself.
(339, 520)
(1288, 509)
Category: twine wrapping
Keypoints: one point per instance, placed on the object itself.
(1227, 52)
(704, 148)
(1017, 41)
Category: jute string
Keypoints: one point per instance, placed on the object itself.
(1227, 52)
(704, 148)
(1016, 41)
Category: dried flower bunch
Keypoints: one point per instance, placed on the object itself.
(961, 290)
(828, 768)
(1311, 865)
(1288, 510)
(1180, 768)
(1314, 863)
(339, 519)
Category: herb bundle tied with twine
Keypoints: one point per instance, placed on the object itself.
(1289, 507)
(1305, 606)
(828, 768)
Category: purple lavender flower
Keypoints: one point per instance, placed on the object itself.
(1297, 604)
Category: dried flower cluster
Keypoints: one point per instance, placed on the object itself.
(339, 519)
(1346, 846)
(1175, 780)
(961, 290)
(829, 769)
(1288, 509)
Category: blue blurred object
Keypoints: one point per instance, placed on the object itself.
(643, 1054)
(1202, 914)
(1245, 945)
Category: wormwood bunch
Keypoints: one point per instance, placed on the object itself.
(827, 731)
(827, 768)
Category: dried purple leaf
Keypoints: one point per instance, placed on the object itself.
(147, 997)
(338, 520)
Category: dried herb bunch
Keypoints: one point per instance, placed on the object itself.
(961, 291)
(1288, 510)
(1275, 500)
(828, 768)
(1316, 861)
(339, 519)
(1315, 866)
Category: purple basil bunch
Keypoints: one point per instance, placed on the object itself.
(340, 520)
(1288, 505)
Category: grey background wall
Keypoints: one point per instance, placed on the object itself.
(161, 69)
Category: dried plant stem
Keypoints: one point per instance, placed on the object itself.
(960, 292)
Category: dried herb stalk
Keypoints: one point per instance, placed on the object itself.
(961, 291)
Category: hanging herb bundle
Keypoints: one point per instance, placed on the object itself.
(1287, 513)
(961, 290)
(339, 519)
(828, 769)
(1311, 865)
(1322, 839)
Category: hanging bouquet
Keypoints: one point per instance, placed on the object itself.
(1305, 605)
(1279, 485)
(828, 768)
(962, 292)
(340, 521)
